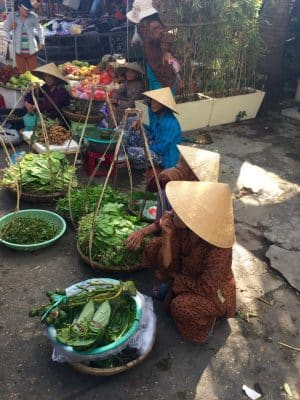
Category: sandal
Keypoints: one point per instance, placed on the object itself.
(159, 291)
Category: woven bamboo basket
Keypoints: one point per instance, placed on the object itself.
(99, 267)
(85, 369)
(38, 198)
(81, 118)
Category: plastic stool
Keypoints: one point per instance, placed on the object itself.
(91, 160)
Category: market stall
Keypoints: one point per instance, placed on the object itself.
(89, 34)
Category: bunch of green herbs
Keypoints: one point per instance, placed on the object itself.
(28, 230)
(40, 173)
(112, 227)
(83, 201)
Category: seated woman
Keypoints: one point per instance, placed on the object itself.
(194, 165)
(194, 255)
(163, 133)
(53, 92)
(129, 91)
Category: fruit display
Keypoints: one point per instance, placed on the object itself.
(56, 133)
(21, 81)
(77, 69)
(7, 72)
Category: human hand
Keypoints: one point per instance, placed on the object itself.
(133, 242)
(136, 125)
(166, 223)
(41, 46)
(30, 108)
(167, 56)
(12, 25)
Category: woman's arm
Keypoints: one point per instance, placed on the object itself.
(40, 33)
(167, 226)
(9, 24)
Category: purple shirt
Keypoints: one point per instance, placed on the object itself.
(60, 97)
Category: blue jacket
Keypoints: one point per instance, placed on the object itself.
(32, 27)
(164, 133)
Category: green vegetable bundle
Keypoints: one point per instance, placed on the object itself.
(28, 230)
(94, 317)
(84, 201)
(40, 173)
(112, 227)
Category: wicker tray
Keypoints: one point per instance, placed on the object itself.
(81, 118)
(99, 267)
(85, 369)
(45, 198)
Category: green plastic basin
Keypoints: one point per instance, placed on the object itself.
(48, 216)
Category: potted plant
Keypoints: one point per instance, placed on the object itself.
(218, 44)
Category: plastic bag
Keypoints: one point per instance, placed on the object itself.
(136, 39)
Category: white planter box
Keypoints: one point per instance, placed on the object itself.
(212, 111)
(192, 114)
(11, 97)
(226, 109)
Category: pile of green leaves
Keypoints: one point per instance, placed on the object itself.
(28, 230)
(40, 173)
(84, 201)
(112, 227)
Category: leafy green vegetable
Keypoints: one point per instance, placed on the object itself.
(83, 201)
(41, 173)
(112, 227)
(99, 314)
(28, 230)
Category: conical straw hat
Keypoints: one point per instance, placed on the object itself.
(164, 96)
(50, 69)
(204, 164)
(134, 66)
(205, 208)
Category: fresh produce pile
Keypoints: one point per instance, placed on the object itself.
(7, 72)
(96, 316)
(84, 201)
(12, 79)
(100, 76)
(28, 230)
(112, 227)
(56, 133)
(40, 173)
(77, 69)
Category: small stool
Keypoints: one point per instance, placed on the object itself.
(91, 160)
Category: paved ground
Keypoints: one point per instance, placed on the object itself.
(260, 160)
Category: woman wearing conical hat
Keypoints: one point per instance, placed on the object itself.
(53, 92)
(194, 255)
(129, 91)
(194, 165)
(163, 133)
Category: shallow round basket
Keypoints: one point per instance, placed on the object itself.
(38, 198)
(81, 118)
(99, 267)
(85, 369)
(48, 216)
